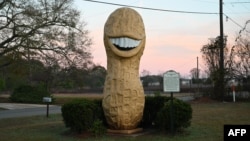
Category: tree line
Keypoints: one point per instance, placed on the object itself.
(45, 42)
(54, 78)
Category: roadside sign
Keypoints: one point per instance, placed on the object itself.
(171, 81)
(47, 99)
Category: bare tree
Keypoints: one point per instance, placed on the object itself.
(242, 58)
(43, 29)
(211, 55)
(195, 73)
(240, 54)
(145, 73)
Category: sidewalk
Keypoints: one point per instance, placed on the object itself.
(11, 106)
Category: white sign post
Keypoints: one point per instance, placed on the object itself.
(47, 100)
(171, 83)
(233, 84)
(233, 89)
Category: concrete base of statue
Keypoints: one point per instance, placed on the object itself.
(127, 132)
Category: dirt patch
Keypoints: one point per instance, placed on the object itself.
(203, 100)
(82, 135)
(80, 95)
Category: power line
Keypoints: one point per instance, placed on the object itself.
(206, 1)
(243, 28)
(228, 18)
(154, 9)
(239, 2)
(233, 21)
(242, 4)
(165, 10)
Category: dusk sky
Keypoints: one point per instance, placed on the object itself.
(173, 39)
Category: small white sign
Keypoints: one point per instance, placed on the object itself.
(47, 99)
(171, 81)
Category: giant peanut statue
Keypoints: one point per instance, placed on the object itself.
(124, 40)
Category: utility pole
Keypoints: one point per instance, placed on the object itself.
(221, 63)
(197, 77)
(197, 69)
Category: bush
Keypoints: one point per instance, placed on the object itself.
(98, 129)
(79, 115)
(29, 94)
(2, 84)
(100, 112)
(87, 115)
(151, 108)
(182, 113)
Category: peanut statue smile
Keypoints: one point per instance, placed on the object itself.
(124, 43)
(124, 40)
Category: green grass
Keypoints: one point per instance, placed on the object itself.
(207, 125)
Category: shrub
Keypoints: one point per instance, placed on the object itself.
(100, 112)
(182, 113)
(151, 108)
(98, 129)
(157, 93)
(29, 94)
(79, 115)
(87, 115)
(2, 84)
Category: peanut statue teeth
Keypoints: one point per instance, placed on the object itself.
(124, 40)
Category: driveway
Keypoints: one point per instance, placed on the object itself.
(23, 110)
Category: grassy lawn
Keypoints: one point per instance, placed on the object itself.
(207, 125)
(2, 109)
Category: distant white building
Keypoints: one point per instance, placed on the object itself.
(154, 84)
(186, 82)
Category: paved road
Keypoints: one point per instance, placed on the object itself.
(28, 110)
(24, 110)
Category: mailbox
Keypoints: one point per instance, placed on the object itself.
(47, 99)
